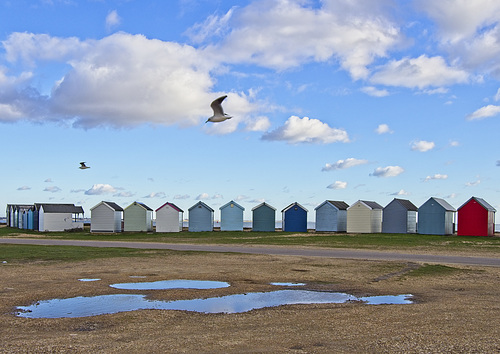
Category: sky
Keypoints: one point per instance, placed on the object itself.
(331, 100)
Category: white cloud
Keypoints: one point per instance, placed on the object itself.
(421, 72)
(383, 129)
(305, 130)
(401, 192)
(454, 143)
(207, 196)
(48, 180)
(389, 171)
(155, 195)
(472, 184)
(181, 196)
(259, 124)
(342, 164)
(422, 145)
(24, 188)
(284, 34)
(437, 176)
(52, 189)
(497, 95)
(124, 194)
(119, 80)
(338, 185)
(484, 112)
(99, 189)
(373, 91)
(112, 20)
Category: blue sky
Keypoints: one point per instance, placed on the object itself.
(339, 100)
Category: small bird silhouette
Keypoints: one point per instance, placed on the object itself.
(219, 115)
(83, 166)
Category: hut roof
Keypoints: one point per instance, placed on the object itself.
(200, 203)
(234, 204)
(407, 204)
(261, 205)
(481, 201)
(444, 204)
(112, 205)
(60, 208)
(141, 205)
(173, 206)
(292, 205)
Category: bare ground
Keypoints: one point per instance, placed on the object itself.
(457, 311)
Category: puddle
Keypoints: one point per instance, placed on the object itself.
(137, 276)
(89, 279)
(108, 304)
(172, 284)
(288, 284)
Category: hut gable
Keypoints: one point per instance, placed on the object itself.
(476, 218)
(138, 217)
(294, 218)
(436, 217)
(169, 218)
(231, 215)
(106, 217)
(331, 215)
(364, 217)
(399, 216)
(201, 217)
(264, 218)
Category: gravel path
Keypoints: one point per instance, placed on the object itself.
(273, 250)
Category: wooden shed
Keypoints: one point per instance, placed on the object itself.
(364, 217)
(201, 218)
(436, 217)
(231, 217)
(169, 218)
(106, 217)
(59, 217)
(476, 218)
(399, 217)
(138, 217)
(294, 218)
(331, 215)
(264, 218)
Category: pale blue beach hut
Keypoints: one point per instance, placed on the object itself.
(436, 217)
(231, 217)
(331, 215)
(399, 217)
(264, 218)
(201, 218)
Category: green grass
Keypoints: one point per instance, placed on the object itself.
(30, 253)
(378, 241)
(433, 269)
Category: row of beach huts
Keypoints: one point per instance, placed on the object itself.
(435, 217)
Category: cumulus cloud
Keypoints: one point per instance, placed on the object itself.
(338, 185)
(383, 129)
(373, 91)
(259, 124)
(52, 189)
(401, 192)
(24, 188)
(155, 195)
(389, 171)
(112, 20)
(305, 130)
(342, 164)
(422, 145)
(473, 183)
(181, 196)
(421, 72)
(437, 176)
(284, 34)
(207, 196)
(99, 189)
(119, 80)
(484, 112)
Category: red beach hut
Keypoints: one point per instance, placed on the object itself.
(476, 218)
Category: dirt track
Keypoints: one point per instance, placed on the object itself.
(455, 312)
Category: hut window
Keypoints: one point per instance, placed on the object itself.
(295, 208)
(232, 205)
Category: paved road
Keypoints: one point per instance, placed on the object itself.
(271, 250)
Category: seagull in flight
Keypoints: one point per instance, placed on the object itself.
(83, 166)
(219, 115)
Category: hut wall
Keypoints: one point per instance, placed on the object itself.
(264, 218)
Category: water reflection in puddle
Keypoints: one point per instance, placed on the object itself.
(288, 284)
(89, 279)
(107, 304)
(172, 284)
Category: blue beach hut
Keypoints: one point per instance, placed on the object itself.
(294, 218)
(201, 218)
(231, 217)
(399, 216)
(331, 215)
(264, 218)
(436, 217)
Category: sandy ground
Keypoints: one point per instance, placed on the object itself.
(454, 312)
